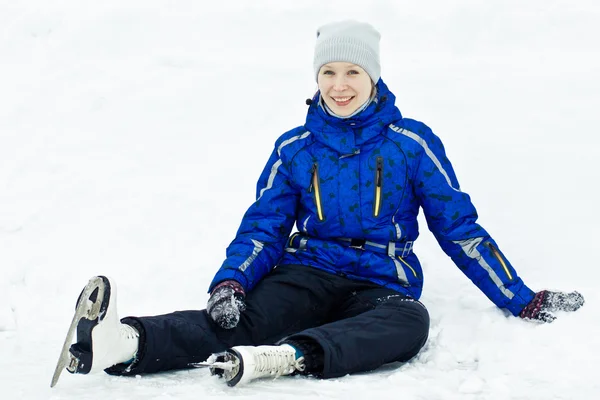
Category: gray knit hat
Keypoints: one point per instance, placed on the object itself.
(348, 41)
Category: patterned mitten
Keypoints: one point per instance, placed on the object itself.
(225, 304)
(544, 303)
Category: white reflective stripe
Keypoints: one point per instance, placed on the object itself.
(291, 140)
(258, 246)
(392, 249)
(290, 250)
(274, 169)
(381, 246)
(398, 230)
(278, 163)
(400, 271)
(399, 268)
(428, 151)
(305, 222)
(302, 245)
(469, 246)
(407, 248)
(356, 152)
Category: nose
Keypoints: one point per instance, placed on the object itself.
(339, 85)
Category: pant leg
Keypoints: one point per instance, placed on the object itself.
(372, 327)
(288, 300)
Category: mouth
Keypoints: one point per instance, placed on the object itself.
(342, 101)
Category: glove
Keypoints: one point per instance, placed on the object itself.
(545, 302)
(225, 304)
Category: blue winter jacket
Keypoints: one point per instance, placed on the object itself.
(354, 187)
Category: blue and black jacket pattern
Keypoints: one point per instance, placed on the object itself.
(354, 188)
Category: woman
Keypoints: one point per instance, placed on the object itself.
(340, 295)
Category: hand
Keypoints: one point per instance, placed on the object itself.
(545, 302)
(225, 304)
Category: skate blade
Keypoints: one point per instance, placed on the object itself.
(227, 366)
(85, 309)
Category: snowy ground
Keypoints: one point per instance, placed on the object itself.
(132, 135)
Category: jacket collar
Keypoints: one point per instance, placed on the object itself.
(346, 136)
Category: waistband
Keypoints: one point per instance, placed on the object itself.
(403, 249)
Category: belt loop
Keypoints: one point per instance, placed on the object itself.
(392, 249)
(407, 248)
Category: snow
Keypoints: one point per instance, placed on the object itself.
(132, 134)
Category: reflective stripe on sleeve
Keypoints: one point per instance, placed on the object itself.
(274, 169)
(428, 151)
(291, 140)
(258, 246)
(469, 246)
(277, 164)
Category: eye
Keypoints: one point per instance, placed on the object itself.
(327, 72)
(353, 72)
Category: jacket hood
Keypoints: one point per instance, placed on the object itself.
(348, 135)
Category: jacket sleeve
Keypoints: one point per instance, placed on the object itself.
(264, 230)
(452, 219)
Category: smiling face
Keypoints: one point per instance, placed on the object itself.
(344, 87)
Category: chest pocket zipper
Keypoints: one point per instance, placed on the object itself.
(500, 259)
(378, 187)
(315, 188)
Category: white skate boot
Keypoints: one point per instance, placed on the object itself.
(242, 364)
(102, 340)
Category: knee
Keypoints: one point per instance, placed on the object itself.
(422, 316)
(413, 314)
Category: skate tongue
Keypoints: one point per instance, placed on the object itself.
(227, 366)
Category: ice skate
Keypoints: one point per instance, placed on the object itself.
(243, 364)
(102, 340)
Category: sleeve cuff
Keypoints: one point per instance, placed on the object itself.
(523, 296)
(229, 274)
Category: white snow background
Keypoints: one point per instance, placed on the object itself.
(132, 134)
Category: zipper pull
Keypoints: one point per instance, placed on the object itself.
(312, 177)
(379, 171)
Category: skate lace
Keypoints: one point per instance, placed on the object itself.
(278, 362)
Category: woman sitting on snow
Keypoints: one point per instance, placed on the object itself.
(341, 294)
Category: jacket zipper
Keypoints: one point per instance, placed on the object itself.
(408, 265)
(500, 259)
(378, 186)
(315, 188)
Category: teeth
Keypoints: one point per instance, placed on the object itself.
(342, 99)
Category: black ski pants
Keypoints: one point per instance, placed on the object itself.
(359, 325)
